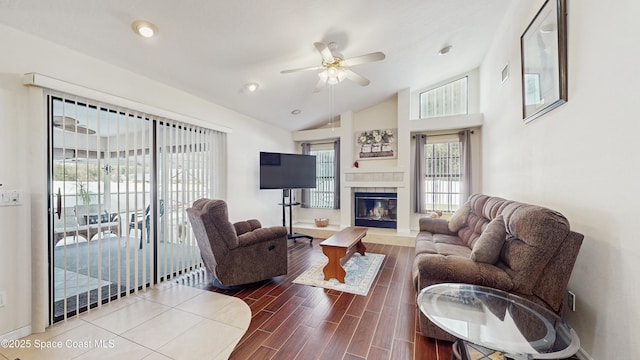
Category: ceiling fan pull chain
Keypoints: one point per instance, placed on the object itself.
(331, 118)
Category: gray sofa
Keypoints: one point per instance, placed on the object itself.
(523, 249)
(239, 253)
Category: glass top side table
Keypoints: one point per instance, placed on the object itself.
(498, 320)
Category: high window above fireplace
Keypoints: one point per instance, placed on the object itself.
(373, 209)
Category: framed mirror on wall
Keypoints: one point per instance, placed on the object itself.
(544, 61)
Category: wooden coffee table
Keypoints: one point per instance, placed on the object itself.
(339, 248)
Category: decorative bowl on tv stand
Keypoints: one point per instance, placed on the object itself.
(322, 222)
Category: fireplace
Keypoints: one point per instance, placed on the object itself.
(375, 209)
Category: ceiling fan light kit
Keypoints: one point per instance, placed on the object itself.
(332, 75)
(335, 69)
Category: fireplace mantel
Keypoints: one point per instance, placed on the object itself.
(379, 177)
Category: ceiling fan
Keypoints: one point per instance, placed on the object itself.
(335, 68)
(71, 124)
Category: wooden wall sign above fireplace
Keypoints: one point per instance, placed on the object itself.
(376, 144)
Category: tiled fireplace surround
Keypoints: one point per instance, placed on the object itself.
(389, 180)
(379, 179)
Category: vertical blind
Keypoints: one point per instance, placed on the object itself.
(322, 195)
(326, 194)
(120, 184)
(442, 171)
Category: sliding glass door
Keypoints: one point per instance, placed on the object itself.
(120, 184)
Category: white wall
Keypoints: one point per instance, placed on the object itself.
(23, 154)
(245, 199)
(581, 159)
(378, 117)
(15, 244)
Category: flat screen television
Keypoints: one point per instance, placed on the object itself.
(287, 171)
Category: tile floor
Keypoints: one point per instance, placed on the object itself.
(69, 283)
(171, 321)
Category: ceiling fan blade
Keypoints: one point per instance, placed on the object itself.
(319, 86)
(309, 68)
(357, 78)
(376, 56)
(327, 56)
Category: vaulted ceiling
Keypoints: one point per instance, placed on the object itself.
(212, 48)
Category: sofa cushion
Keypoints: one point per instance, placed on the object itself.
(459, 218)
(440, 226)
(487, 247)
(429, 269)
(534, 235)
(428, 243)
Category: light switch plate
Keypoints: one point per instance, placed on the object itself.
(3, 298)
(10, 197)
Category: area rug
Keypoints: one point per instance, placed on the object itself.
(361, 270)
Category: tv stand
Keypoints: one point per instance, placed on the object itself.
(291, 235)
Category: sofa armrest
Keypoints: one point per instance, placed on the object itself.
(435, 226)
(246, 226)
(261, 235)
(429, 269)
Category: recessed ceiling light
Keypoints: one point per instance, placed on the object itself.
(445, 50)
(295, 112)
(144, 28)
(251, 87)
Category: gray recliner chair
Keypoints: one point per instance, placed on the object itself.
(239, 253)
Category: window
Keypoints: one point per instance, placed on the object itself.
(448, 99)
(323, 195)
(443, 177)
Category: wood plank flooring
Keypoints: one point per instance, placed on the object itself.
(291, 321)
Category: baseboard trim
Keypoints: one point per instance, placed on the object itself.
(17, 334)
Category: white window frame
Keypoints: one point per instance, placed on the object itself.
(316, 198)
(443, 98)
(446, 188)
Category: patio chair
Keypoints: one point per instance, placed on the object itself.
(142, 221)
